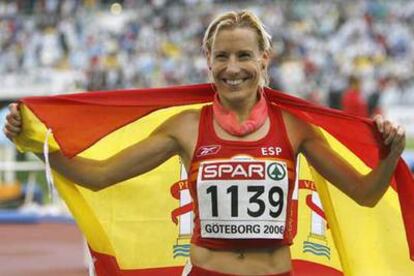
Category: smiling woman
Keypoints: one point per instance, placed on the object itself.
(237, 48)
(240, 155)
(237, 66)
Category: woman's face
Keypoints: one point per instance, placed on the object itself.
(237, 64)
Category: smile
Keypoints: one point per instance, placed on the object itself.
(235, 82)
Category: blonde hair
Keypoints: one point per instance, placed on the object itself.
(242, 19)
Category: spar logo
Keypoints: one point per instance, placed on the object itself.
(276, 171)
(233, 170)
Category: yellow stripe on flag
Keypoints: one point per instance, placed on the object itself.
(371, 240)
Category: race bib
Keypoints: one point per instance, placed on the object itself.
(242, 198)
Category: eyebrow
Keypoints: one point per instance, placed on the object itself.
(246, 51)
(225, 52)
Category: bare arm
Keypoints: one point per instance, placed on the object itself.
(366, 190)
(132, 161)
(137, 159)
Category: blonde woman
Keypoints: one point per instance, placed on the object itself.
(237, 230)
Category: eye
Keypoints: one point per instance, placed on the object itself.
(245, 56)
(220, 57)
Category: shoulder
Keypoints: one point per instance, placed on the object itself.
(298, 130)
(291, 121)
(182, 122)
(190, 116)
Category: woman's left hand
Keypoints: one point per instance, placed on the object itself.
(392, 133)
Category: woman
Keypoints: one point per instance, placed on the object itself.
(237, 149)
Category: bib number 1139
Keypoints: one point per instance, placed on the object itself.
(257, 205)
(242, 199)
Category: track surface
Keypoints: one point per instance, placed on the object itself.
(41, 250)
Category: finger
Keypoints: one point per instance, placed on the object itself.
(390, 134)
(13, 130)
(379, 121)
(399, 138)
(15, 110)
(12, 120)
(7, 133)
(398, 148)
(14, 106)
(387, 127)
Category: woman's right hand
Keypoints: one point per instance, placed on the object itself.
(13, 125)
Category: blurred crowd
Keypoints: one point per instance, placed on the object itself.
(322, 50)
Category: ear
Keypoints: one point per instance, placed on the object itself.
(265, 59)
(208, 57)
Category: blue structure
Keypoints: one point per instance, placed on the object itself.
(3, 139)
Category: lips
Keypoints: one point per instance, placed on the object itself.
(234, 82)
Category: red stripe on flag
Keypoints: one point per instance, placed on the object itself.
(305, 268)
(106, 265)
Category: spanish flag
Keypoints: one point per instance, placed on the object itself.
(143, 226)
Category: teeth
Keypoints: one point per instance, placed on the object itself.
(234, 82)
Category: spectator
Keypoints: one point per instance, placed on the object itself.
(352, 101)
(313, 43)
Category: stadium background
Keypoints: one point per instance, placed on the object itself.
(51, 47)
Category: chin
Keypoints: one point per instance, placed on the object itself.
(235, 95)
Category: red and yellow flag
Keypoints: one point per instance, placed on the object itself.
(142, 226)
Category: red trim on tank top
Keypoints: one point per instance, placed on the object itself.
(282, 124)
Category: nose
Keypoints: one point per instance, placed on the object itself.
(233, 65)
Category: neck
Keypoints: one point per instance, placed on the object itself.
(243, 108)
(243, 118)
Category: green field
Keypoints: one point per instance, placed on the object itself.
(410, 143)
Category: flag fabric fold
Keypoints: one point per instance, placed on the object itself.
(132, 227)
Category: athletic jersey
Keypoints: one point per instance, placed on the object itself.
(242, 190)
